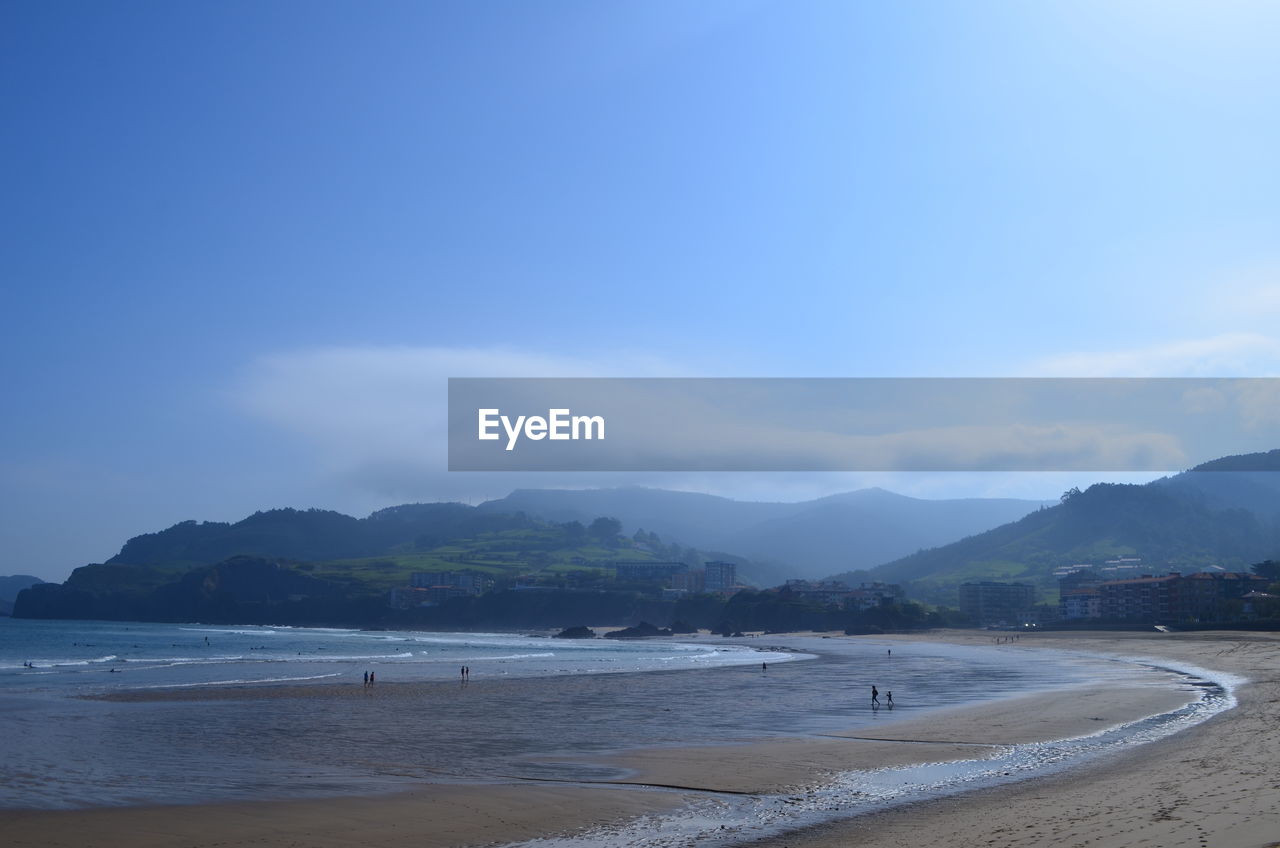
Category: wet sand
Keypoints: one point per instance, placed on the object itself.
(785, 765)
(436, 816)
(1214, 785)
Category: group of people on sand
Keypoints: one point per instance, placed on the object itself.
(370, 679)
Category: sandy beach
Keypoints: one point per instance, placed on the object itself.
(1213, 785)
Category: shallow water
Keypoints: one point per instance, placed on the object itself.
(86, 656)
(531, 704)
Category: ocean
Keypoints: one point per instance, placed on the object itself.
(118, 713)
(92, 657)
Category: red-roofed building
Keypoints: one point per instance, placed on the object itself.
(1174, 597)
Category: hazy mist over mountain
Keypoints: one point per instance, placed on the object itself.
(1210, 517)
(854, 530)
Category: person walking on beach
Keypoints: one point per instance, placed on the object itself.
(366, 678)
(875, 696)
(371, 678)
(888, 698)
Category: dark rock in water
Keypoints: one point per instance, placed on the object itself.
(579, 632)
(641, 630)
(682, 627)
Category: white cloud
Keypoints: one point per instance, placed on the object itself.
(381, 412)
(375, 421)
(1258, 403)
(1225, 355)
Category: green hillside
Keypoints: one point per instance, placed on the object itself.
(1166, 530)
(372, 555)
(548, 553)
(263, 579)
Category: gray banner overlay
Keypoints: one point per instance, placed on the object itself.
(857, 424)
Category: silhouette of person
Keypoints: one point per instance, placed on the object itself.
(889, 699)
(875, 696)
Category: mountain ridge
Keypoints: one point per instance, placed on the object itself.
(845, 531)
(1209, 517)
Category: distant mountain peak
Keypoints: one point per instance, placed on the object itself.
(1262, 461)
(857, 529)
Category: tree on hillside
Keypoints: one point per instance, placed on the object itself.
(605, 529)
(646, 538)
(1269, 569)
(575, 531)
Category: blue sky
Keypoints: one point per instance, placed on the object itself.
(244, 243)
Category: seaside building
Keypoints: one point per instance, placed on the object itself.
(1147, 598)
(1079, 604)
(720, 577)
(1200, 597)
(427, 588)
(990, 602)
(1078, 592)
(876, 594)
(838, 593)
(689, 582)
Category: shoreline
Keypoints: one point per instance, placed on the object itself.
(951, 734)
(1208, 785)
(464, 814)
